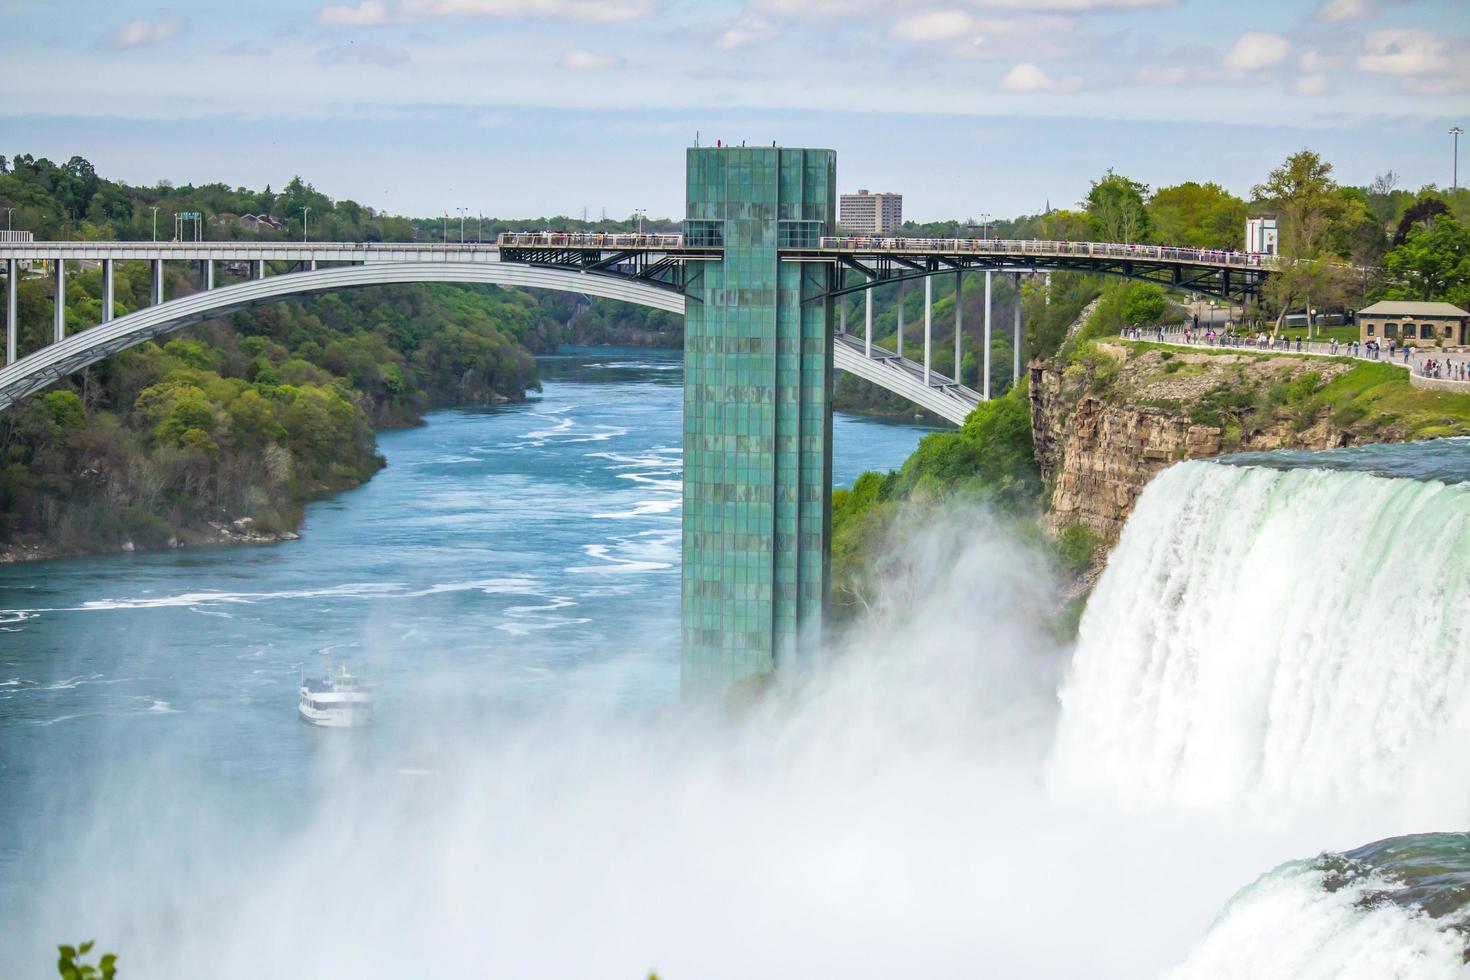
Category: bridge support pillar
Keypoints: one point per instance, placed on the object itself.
(207, 277)
(757, 419)
(313, 265)
(868, 319)
(59, 327)
(902, 286)
(12, 309)
(259, 271)
(156, 294)
(108, 289)
(928, 322)
(841, 306)
(985, 365)
(1016, 337)
(959, 324)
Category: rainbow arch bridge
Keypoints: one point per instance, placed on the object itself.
(758, 280)
(647, 270)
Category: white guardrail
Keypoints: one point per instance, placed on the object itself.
(578, 239)
(951, 246)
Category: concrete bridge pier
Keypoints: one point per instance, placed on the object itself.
(12, 309)
(258, 270)
(59, 305)
(928, 322)
(959, 324)
(1016, 337)
(157, 270)
(108, 289)
(868, 319)
(985, 367)
(902, 286)
(206, 273)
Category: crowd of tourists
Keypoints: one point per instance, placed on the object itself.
(1439, 366)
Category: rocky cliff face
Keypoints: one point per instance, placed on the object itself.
(1103, 427)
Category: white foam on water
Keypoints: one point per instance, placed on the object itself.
(614, 564)
(1287, 926)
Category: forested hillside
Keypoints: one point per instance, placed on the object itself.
(222, 431)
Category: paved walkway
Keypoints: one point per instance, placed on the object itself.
(1428, 368)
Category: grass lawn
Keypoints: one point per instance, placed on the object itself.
(1324, 334)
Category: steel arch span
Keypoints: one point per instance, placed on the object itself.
(49, 364)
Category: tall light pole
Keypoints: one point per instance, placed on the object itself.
(1456, 132)
(640, 212)
(985, 225)
(461, 223)
(8, 213)
(480, 231)
(155, 224)
(304, 212)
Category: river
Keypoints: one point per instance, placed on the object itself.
(1275, 664)
(504, 555)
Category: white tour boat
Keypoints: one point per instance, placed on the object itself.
(336, 701)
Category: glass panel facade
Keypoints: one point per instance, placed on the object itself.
(757, 415)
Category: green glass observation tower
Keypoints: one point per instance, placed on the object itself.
(757, 412)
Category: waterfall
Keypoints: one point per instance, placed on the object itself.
(1273, 633)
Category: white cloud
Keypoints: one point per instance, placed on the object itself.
(579, 60)
(1404, 53)
(1340, 10)
(364, 14)
(1315, 61)
(935, 25)
(1311, 85)
(583, 10)
(1072, 6)
(748, 30)
(142, 33)
(1029, 77)
(1257, 49)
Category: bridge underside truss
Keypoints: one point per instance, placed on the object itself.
(665, 269)
(1220, 283)
(668, 268)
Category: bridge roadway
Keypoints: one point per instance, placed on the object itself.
(640, 268)
(376, 265)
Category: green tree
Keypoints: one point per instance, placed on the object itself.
(71, 966)
(1433, 263)
(1117, 209)
(1144, 304)
(1198, 215)
(1305, 196)
(1312, 214)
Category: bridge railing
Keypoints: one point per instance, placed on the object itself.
(587, 239)
(1000, 246)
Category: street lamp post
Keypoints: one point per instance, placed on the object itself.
(155, 224)
(1456, 132)
(304, 212)
(461, 224)
(480, 231)
(640, 212)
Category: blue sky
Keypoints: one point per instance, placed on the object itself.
(531, 107)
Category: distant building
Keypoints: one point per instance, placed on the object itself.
(1261, 236)
(1414, 323)
(870, 214)
(260, 222)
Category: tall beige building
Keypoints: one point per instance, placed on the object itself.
(871, 214)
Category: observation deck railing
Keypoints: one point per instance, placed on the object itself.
(1002, 246)
(587, 239)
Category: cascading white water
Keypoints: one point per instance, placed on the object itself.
(1280, 634)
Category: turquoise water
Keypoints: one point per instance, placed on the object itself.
(505, 556)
